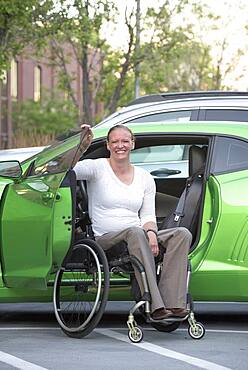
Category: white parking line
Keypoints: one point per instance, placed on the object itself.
(164, 351)
(19, 363)
(28, 328)
(224, 331)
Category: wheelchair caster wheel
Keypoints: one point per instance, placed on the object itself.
(135, 335)
(197, 332)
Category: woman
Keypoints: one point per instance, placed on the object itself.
(122, 208)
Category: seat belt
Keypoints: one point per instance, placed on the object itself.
(179, 211)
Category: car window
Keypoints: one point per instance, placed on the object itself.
(60, 156)
(56, 165)
(226, 115)
(157, 154)
(230, 155)
(172, 158)
(164, 116)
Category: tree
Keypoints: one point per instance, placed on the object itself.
(170, 56)
(36, 124)
(176, 60)
(19, 20)
(108, 74)
(76, 31)
(77, 24)
(223, 30)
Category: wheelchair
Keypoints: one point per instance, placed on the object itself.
(82, 284)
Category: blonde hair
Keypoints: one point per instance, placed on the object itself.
(122, 127)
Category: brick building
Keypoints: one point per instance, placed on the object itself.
(27, 78)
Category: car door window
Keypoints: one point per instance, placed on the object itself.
(164, 116)
(55, 165)
(60, 156)
(226, 115)
(230, 155)
(172, 159)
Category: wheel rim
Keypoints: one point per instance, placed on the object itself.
(71, 312)
(197, 332)
(136, 336)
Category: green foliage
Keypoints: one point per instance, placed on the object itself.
(77, 24)
(19, 22)
(185, 67)
(174, 59)
(50, 117)
(171, 57)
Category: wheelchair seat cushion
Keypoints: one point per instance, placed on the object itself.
(117, 251)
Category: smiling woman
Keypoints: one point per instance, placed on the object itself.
(122, 209)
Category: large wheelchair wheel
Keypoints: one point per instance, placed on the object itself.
(81, 289)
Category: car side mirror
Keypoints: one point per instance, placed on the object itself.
(10, 169)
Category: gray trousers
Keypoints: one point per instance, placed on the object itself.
(172, 288)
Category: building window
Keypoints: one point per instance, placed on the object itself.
(37, 83)
(4, 111)
(4, 85)
(14, 79)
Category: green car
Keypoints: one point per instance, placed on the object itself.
(39, 207)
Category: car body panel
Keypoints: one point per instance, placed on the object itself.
(3, 183)
(28, 212)
(36, 219)
(222, 269)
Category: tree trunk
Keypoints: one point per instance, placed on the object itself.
(86, 111)
(86, 114)
(124, 69)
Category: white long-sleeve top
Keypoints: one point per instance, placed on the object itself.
(113, 205)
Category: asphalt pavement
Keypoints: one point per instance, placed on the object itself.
(31, 339)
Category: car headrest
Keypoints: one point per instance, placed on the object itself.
(197, 159)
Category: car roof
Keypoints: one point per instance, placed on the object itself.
(186, 95)
(152, 104)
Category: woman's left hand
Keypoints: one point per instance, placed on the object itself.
(153, 242)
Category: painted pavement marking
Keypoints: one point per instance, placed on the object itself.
(224, 331)
(18, 363)
(203, 364)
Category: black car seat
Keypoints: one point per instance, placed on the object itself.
(187, 210)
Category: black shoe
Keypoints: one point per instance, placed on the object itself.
(179, 312)
(161, 314)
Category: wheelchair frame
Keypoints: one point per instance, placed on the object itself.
(72, 315)
(85, 275)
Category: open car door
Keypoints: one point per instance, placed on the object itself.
(37, 215)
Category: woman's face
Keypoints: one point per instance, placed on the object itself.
(120, 143)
